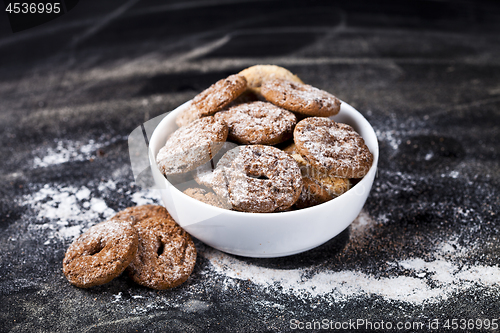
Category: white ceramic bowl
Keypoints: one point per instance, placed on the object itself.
(265, 234)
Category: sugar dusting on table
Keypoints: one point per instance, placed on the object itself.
(63, 151)
(67, 211)
(429, 281)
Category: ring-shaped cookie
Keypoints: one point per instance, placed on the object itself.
(258, 123)
(100, 254)
(300, 98)
(256, 75)
(332, 148)
(166, 254)
(213, 99)
(219, 95)
(261, 179)
(192, 145)
(136, 214)
(318, 188)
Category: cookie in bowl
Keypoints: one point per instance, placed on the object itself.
(258, 123)
(332, 148)
(256, 75)
(258, 179)
(318, 188)
(301, 98)
(192, 145)
(213, 99)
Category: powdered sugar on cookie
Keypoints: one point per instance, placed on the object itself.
(219, 95)
(263, 179)
(258, 123)
(332, 148)
(192, 145)
(300, 98)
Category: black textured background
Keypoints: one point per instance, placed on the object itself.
(426, 74)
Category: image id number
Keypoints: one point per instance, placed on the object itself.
(32, 8)
(471, 324)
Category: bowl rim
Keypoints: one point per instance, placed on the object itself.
(352, 111)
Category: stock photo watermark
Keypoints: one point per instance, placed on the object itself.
(458, 324)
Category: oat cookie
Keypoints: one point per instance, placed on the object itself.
(100, 254)
(188, 115)
(260, 179)
(332, 148)
(166, 254)
(192, 145)
(258, 123)
(219, 182)
(207, 197)
(257, 74)
(301, 98)
(219, 95)
(318, 188)
(136, 214)
(312, 194)
(203, 174)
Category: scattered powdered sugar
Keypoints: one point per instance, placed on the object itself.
(195, 305)
(117, 297)
(147, 197)
(336, 286)
(66, 203)
(483, 275)
(391, 137)
(453, 174)
(69, 151)
(69, 232)
(361, 225)
(109, 185)
(67, 209)
(82, 193)
(415, 280)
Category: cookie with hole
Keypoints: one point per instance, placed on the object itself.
(100, 254)
(166, 254)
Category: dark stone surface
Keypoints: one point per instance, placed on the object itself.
(424, 73)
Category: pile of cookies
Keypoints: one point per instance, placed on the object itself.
(144, 241)
(261, 141)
